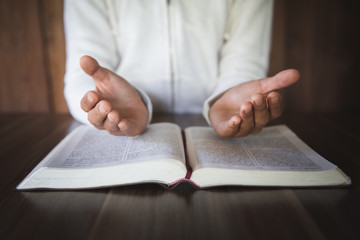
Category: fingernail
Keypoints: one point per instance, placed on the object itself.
(259, 102)
(274, 100)
(90, 98)
(102, 109)
(110, 118)
(247, 110)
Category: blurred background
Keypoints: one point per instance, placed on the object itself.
(320, 38)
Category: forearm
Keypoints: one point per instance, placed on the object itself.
(244, 55)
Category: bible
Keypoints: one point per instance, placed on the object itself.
(90, 158)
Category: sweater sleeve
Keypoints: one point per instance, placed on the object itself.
(89, 31)
(244, 55)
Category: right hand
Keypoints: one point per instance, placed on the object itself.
(115, 105)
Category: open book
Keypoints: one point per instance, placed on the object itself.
(90, 158)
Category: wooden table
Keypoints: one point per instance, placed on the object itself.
(151, 212)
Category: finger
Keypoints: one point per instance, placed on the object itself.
(247, 120)
(98, 114)
(111, 123)
(129, 128)
(89, 101)
(275, 104)
(261, 112)
(281, 80)
(228, 128)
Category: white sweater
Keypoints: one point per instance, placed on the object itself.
(181, 53)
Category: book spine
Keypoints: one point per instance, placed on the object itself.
(172, 185)
(187, 179)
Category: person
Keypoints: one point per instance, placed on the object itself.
(176, 56)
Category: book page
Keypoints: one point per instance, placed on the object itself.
(92, 148)
(275, 148)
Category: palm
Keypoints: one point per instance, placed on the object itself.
(126, 105)
(122, 96)
(231, 101)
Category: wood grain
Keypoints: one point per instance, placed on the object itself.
(150, 211)
(322, 44)
(23, 85)
(51, 22)
(278, 41)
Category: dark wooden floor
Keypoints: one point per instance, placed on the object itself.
(151, 212)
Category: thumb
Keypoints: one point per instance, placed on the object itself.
(92, 68)
(281, 80)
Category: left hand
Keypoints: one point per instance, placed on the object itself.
(248, 107)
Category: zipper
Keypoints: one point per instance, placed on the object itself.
(171, 56)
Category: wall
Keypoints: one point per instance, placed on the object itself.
(32, 56)
(318, 37)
